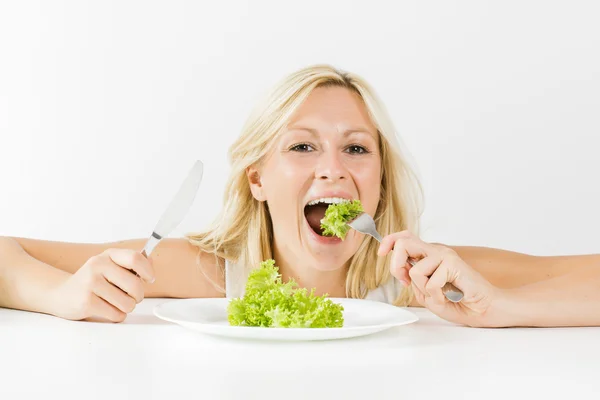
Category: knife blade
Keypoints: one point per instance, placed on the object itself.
(177, 209)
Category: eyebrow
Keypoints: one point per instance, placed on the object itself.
(347, 132)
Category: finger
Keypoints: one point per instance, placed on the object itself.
(419, 296)
(435, 284)
(132, 260)
(427, 266)
(402, 275)
(405, 251)
(125, 281)
(115, 296)
(107, 311)
(388, 242)
(399, 264)
(409, 247)
(422, 270)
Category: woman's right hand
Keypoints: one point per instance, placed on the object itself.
(104, 287)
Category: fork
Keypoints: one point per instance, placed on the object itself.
(364, 224)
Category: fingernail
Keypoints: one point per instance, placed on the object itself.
(403, 283)
(152, 280)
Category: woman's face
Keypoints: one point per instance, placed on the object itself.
(329, 150)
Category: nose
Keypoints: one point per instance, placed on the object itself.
(330, 166)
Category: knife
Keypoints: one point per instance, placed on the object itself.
(177, 209)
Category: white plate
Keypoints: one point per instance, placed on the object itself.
(361, 317)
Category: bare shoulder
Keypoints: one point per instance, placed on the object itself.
(182, 270)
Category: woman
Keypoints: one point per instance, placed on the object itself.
(321, 136)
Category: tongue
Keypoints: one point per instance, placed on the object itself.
(314, 215)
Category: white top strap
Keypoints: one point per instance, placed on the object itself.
(228, 277)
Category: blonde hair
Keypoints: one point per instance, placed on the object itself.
(243, 234)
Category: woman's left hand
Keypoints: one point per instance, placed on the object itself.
(435, 266)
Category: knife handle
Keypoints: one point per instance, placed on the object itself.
(152, 242)
(154, 239)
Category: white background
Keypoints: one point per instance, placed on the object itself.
(104, 106)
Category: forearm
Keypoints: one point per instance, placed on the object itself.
(571, 299)
(25, 282)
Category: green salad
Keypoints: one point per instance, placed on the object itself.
(268, 302)
(337, 216)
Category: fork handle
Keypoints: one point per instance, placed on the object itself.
(452, 293)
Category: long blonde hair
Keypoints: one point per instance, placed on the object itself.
(242, 233)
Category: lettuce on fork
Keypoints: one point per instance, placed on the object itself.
(338, 215)
(268, 302)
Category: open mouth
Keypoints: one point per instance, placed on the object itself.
(314, 214)
(314, 211)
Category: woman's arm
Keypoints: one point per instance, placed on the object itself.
(501, 288)
(509, 269)
(539, 290)
(24, 281)
(31, 270)
(570, 299)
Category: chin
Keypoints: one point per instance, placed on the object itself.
(325, 264)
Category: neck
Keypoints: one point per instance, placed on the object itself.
(331, 282)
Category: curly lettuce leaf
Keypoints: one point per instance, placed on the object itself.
(305, 310)
(337, 216)
(268, 302)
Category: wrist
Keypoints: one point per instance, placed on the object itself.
(53, 302)
(515, 307)
(25, 282)
(507, 309)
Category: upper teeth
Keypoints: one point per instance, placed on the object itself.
(327, 200)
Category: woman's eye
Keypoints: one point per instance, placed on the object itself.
(356, 149)
(302, 148)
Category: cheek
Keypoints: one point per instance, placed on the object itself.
(368, 181)
(283, 180)
(367, 171)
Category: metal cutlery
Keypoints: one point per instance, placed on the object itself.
(364, 223)
(177, 209)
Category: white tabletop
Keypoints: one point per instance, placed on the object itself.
(147, 358)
